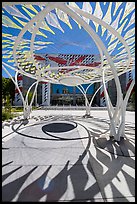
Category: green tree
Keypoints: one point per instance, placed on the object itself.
(30, 97)
(8, 104)
(8, 89)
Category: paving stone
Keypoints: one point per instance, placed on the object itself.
(70, 170)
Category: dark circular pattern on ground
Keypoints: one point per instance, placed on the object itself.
(124, 147)
(58, 127)
(58, 131)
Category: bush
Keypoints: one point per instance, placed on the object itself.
(6, 115)
(8, 104)
(17, 109)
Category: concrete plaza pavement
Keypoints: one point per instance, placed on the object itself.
(56, 157)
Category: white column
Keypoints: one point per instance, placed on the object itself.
(102, 95)
(43, 86)
(129, 77)
(36, 99)
(46, 94)
(18, 100)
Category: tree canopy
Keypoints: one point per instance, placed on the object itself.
(8, 88)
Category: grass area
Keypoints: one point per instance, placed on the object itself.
(20, 109)
(12, 112)
(17, 109)
(7, 115)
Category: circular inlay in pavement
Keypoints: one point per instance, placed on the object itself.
(53, 130)
(124, 147)
(58, 127)
(64, 130)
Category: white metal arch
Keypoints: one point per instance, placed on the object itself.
(117, 116)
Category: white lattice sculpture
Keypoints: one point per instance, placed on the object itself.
(110, 25)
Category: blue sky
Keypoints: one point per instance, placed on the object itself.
(72, 41)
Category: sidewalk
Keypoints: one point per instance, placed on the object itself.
(56, 157)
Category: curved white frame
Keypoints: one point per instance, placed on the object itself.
(100, 46)
(117, 116)
(117, 132)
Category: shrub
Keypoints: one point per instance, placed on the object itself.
(6, 115)
(17, 109)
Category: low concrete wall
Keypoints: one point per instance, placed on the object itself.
(69, 108)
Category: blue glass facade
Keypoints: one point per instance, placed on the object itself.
(61, 89)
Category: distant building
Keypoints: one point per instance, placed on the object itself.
(57, 94)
